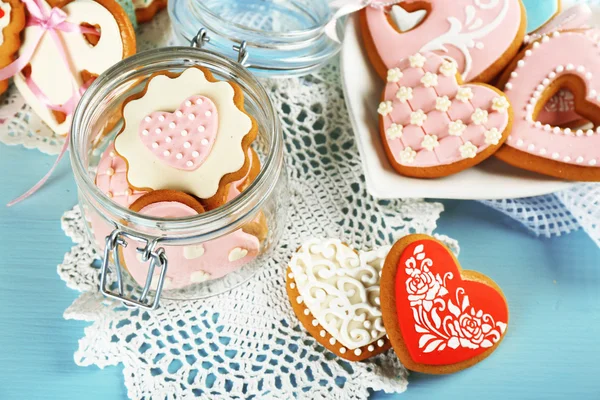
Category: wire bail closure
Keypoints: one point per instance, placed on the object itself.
(201, 38)
(148, 252)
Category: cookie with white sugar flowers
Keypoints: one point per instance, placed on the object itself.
(440, 318)
(94, 35)
(334, 291)
(187, 132)
(12, 22)
(432, 124)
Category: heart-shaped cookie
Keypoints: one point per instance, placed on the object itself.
(482, 36)
(439, 318)
(334, 291)
(182, 139)
(12, 22)
(47, 80)
(432, 125)
(542, 69)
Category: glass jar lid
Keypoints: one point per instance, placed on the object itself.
(281, 37)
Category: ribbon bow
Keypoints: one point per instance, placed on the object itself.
(347, 7)
(52, 22)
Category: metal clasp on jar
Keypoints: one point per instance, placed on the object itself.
(202, 38)
(148, 252)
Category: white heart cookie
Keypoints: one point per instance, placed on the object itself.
(335, 293)
(48, 70)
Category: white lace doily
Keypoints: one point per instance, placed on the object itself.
(248, 341)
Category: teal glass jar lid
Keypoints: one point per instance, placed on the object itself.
(282, 37)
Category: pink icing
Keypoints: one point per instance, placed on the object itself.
(473, 32)
(111, 178)
(182, 139)
(560, 109)
(437, 123)
(181, 271)
(546, 61)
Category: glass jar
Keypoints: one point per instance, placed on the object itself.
(142, 254)
(283, 37)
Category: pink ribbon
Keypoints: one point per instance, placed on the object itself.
(347, 7)
(51, 22)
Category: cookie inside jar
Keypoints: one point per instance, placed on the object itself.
(180, 156)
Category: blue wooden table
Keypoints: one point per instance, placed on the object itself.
(552, 349)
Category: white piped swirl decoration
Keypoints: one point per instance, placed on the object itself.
(341, 289)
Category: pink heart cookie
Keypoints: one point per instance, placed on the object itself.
(432, 125)
(538, 73)
(182, 139)
(482, 36)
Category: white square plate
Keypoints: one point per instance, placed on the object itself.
(491, 179)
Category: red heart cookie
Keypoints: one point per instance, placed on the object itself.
(439, 318)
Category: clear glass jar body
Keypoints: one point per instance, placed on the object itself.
(197, 266)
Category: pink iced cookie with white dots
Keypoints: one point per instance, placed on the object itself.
(111, 178)
(541, 70)
(187, 132)
(482, 36)
(433, 125)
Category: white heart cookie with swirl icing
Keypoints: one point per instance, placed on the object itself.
(334, 291)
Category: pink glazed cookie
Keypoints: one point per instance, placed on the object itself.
(481, 35)
(193, 263)
(538, 73)
(432, 125)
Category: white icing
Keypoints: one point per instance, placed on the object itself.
(339, 289)
(192, 252)
(465, 94)
(479, 117)
(48, 70)
(199, 277)
(407, 156)
(418, 118)
(429, 80)
(166, 94)
(456, 128)
(443, 104)
(394, 75)
(237, 254)
(493, 136)
(404, 94)
(468, 150)
(464, 39)
(449, 68)
(430, 142)
(417, 60)
(394, 131)
(385, 107)
(404, 20)
(500, 104)
(5, 20)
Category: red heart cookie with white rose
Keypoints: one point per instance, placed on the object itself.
(433, 125)
(440, 319)
(544, 68)
(481, 36)
(187, 132)
(66, 45)
(334, 291)
(12, 22)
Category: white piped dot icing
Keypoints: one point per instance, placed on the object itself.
(394, 75)
(237, 254)
(430, 142)
(407, 156)
(394, 131)
(468, 150)
(417, 60)
(404, 94)
(418, 117)
(385, 108)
